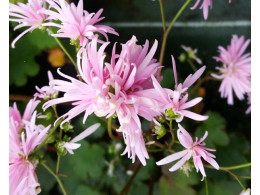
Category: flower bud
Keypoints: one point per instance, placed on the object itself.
(186, 168)
(160, 130)
(182, 57)
(61, 150)
(75, 42)
(67, 127)
(169, 113)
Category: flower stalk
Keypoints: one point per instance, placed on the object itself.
(56, 177)
(166, 33)
(66, 52)
(109, 129)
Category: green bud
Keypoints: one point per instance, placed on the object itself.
(161, 119)
(61, 151)
(75, 42)
(42, 28)
(187, 168)
(160, 130)
(67, 127)
(66, 138)
(54, 95)
(48, 115)
(169, 113)
(182, 57)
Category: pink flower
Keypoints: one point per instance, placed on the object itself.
(175, 102)
(91, 95)
(27, 15)
(195, 149)
(15, 114)
(72, 145)
(134, 66)
(76, 23)
(112, 89)
(46, 92)
(22, 177)
(135, 145)
(205, 6)
(236, 70)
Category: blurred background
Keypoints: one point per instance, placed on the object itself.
(97, 167)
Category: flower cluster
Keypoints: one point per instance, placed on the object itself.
(126, 88)
(24, 136)
(76, 23)
(236, 70)
(205, 5)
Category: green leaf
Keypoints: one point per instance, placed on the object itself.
(22, 57)
(87, 160)
(22, 63)
(224, 187)
(167, 186)
(147, 171)
(42, 40)
(215, 126)
(82, 189)
(168, 78)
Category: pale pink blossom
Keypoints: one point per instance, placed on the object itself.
(176, 100)
(47, 92)
(22, 177)
(206, 4)
(89, 95)
(76, 23)
(236, 70)
(72, 145)
(113, 89)
(18, 119)
(193, 149)
(27, 15)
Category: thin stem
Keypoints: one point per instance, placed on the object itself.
(58, 159)
(48, 136)
(114, 126)
(235, 176)
(227, 169)
(244, 177)
(66, 52)
(128, 184)
(232, 167)
(206, 185)
(172, 134)
(158, 144)
(56, 177)
(236, 166)
(162, 14)
(55, 111)
(165, 35)
(109, 129)
(58, 164)
(192, 65)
